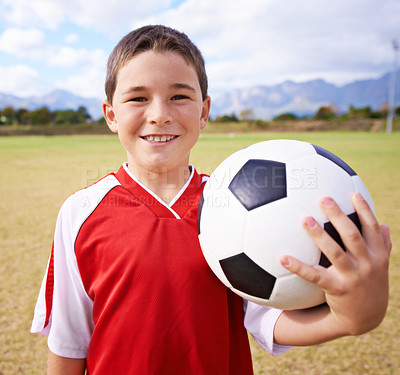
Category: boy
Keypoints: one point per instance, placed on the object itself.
(127, 290)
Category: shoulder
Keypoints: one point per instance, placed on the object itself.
(84, 201)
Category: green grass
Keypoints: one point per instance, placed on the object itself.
(39, 173)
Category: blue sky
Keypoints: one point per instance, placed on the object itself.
(58, 44)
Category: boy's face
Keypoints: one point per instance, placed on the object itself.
(157, 111)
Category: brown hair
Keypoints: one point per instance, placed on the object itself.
(156, 38)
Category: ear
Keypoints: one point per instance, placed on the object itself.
(109, 115)
(205, 112)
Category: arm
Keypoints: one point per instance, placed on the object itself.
(356, 285)
(65, 366)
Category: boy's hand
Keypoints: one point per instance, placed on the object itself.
(356, 285)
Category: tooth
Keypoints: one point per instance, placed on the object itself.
(156, 138)
(163, 138)
(150, 138)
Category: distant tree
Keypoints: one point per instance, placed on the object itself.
(381, 112)
(246, 114)
(378, 114)
(7, 116)
(325, 113)
(227, 118)
(83, 113)
(286, 116)
(41, 116)
(363, 112)
(22, 116)
(397, 111)
(68, 116)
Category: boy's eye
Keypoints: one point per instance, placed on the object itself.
(179, 97)
(138, 99)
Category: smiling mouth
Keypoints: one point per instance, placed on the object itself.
(159, 138)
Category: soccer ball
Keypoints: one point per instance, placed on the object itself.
(251, 211)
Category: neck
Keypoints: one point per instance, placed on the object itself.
(166, 184)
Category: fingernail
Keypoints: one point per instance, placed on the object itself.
(328, 202)
(310, 222)
(285, 261)
(359, 196)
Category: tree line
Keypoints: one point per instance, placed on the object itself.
(43, 116)
(329, 112)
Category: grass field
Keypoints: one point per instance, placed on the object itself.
(38, 173)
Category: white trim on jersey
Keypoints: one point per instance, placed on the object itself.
(71, 323)
(183, 187)
(174, 200)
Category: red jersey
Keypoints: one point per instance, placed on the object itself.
(128, 288)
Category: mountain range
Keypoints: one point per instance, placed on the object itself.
(302, 99)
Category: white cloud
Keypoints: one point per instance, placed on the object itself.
(114, 18)
(82, 57)
(21, 80)
(22, 42)
(108, 17)
(31, 44)
(71, 38)
(40, 13)
(89, 84)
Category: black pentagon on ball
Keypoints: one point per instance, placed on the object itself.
(324, 262)
(259, 182)
(247, 276)
(335, 159)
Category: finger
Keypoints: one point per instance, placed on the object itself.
(386, 238)
(332, 250)
(348, 231)
(371, 229)
(313, 274)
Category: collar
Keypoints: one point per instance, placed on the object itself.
(178, 206)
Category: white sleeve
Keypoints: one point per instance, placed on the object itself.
(260, 322)
(63, 310)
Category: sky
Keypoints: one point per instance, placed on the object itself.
(58, 44)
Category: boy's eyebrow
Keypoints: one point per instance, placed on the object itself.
(182, 86)
(144, 88)
(134, 89)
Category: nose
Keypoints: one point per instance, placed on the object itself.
(159, 113)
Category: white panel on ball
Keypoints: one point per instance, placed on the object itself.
(281, 150)
(223, 218)
(319, 177)
(293, 292)
(266, 242)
